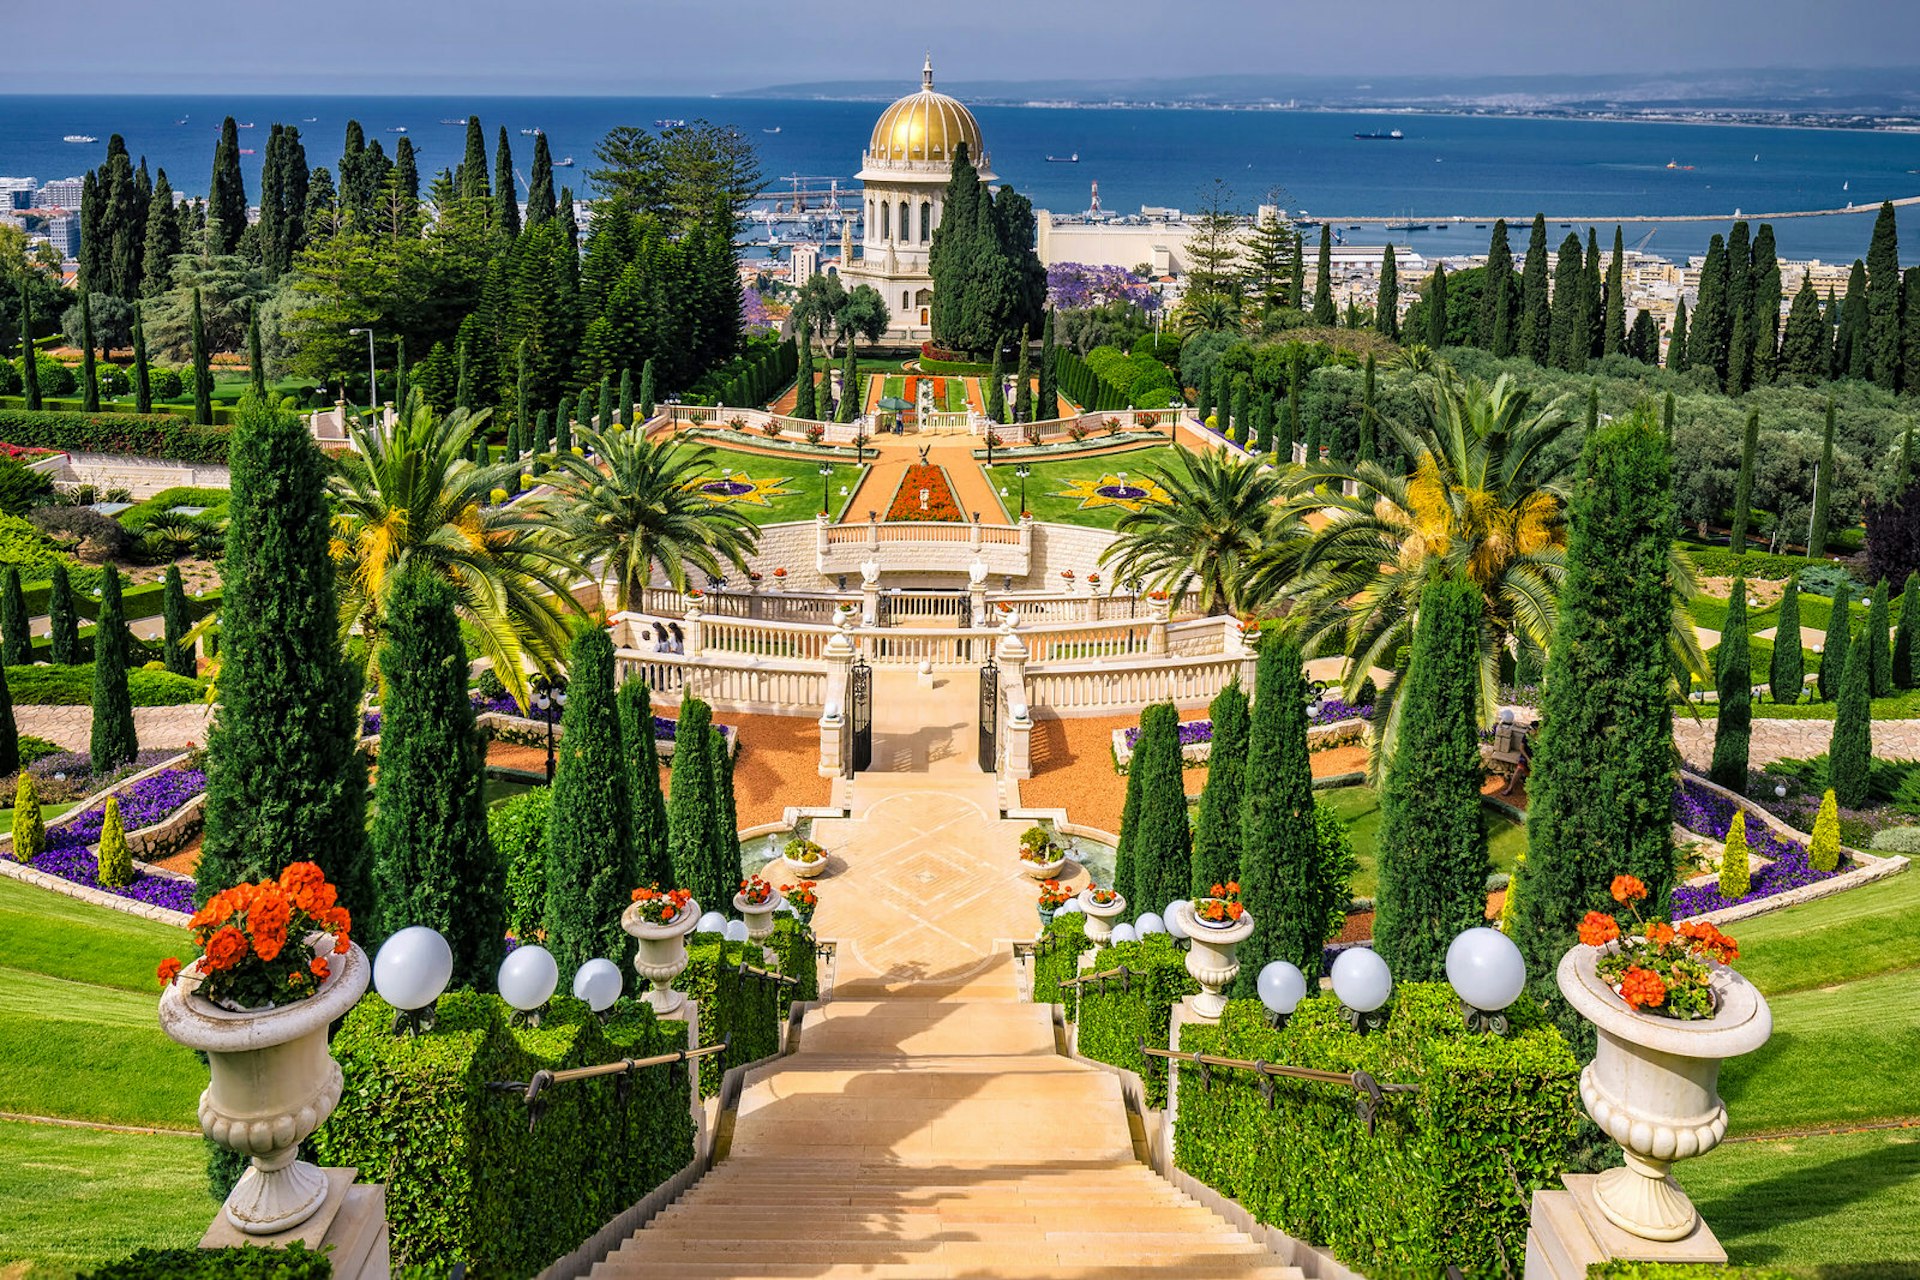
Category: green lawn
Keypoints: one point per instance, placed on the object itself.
(1832, 940)
(1359, 808)
(1050, 480)
(787, 489)
(77, 1198)
(48, 812)
(62, 937)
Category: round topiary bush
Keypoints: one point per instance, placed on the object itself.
(1897, 840)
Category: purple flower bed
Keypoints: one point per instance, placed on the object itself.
(1699, 810)
(1332, 711)
(663, 727)
(81, 867)
(141, 805)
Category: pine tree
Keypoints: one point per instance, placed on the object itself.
(16, 637)
(1743, 487)
(1803, 344)
(1883, 298)
(1496, 331)
(89, 374)
(1736, 871)
(1282, 880)
(116, 860)
(1433, 835)
(1437, 308)
(506, 203)
(226, 193)
(693, 811)
(1822, 493)
(177, 652)
(285, 778)
(1879, 646)
(433, 863)
(646, 390)
(1678, 341)
(590, 861)
(1733, 679)
(1787, 671)
(1323, 313)
(63, 629)
(202, 369)
(540, 198)
(1536, 316)
(1268, 262)
(1906, 669)
(1615, 337)
(1386, 317)
(1850, 752)
(1216, 837)
(1833, 654)
(651, 861)
(1568, 349)
(1163, 849)
(1601, 790)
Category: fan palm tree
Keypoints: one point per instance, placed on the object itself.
(1221, 515)
(1210, 313)
(411, 492)
(636, 503)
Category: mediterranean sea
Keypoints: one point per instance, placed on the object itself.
(1445, 167)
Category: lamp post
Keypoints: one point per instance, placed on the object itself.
(373, 386)
(826, 474)
(549, 695)
(1023, 471)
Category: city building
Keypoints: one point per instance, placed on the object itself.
(61, 193)
(806, 262)
(16, 193)
(63, 232)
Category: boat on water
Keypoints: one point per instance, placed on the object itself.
(670, 124)
(79, 137)
(396, 128)
(246, 151)
(1409, 226)
(775, 129)
(1072, 159)
(565, 162)
(1674, 164)
(1391, 135)
(183, 119)
(309, 119)
(1479, 226)
(444, 120)
(247, 125)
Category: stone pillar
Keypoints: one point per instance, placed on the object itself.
(870, 591)
(694, 647)
(833, 716)
(820, 525)
(1011, 653)
(973, 535)
(977, 591)
(1158, 611)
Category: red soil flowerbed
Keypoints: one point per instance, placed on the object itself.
(940, 500)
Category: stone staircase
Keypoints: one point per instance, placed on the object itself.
(914, 1137)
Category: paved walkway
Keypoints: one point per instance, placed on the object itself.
(1791, 739)
(173, 728)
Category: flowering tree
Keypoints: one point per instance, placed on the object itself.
(1079, 284)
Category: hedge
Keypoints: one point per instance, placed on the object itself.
(51, 686)
(141, 435)
(1429, 1187)
(1064, 940)
(1623, 1269)
(248, 1262)
(143, 601)
(1720, 562)
(746, 1008)
(793, 942)
(466, 1180)
(1115, 1018)
(136, 518)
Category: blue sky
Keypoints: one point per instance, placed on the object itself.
(644, 47)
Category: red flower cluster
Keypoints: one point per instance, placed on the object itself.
(1655, 964)
(1054, 895)
(941, 504)
(1598, 929)
(661, 906)
(801, 895)
(1642, 988)
(1221, 904)
(1102, 896)
(242, 934)
(755, 891)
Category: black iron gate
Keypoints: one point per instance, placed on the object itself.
(860, 709)
(989, 718)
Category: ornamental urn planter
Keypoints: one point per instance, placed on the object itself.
(662, 954)
(801, 870)
(1099, 926)
(1044, 870)
(272, 1084)
(1653, 1086)
(759, 918)
(1212, 957)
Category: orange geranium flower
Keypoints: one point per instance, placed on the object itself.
(318, 967)
(268, 921)
(1628, 889)
(1642, 988)
(1233, 886)
(1706, 936)
(226, 948)
(169, 970)
(1660, 933)
(1598, 929)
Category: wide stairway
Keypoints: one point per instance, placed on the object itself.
(930, 1138)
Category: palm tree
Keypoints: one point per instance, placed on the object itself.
(1209, 313)
(637, 503)
(1221, 514)
(410, 492)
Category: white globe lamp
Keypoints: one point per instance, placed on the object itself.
(1149, 922)
(527, 980)
(410, 971)
(1281, 987)
(1123, 933)
(736, 931)
(1362, 982)
(711, 922)
(598, 983)
(1488, 973)
(1172, 918)
(1070, 907)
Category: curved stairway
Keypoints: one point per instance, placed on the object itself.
(922, 1138)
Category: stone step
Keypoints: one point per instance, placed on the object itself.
(1173, 1267)
(1001, 1225)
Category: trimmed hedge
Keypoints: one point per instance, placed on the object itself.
(466, 1180)
(136, 517)
(793, 942)
(1621, 1269)
(1066, 937)
(157, 435)
(747, 1008)
(1720, 562)
(1114, 1019)
(248, 1262)
(1429, 1187)
(51, 686)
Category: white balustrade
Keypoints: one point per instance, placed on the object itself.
(1100, 688)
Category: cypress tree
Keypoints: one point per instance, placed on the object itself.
(1763, 282)
(506, 203)
(175, 624)
(626, 397)
(1282, 880)
(1536, 318)
(116, 860)
(1787, 671)
(1386, 319)
(646, 390)
(29, 825)
(1163, 848)
(1733, 679)
(1126, 854)
(1022, 387)
(1323, 313)
(256, 353)
(1743, 487)
(693, 811)
(1883, 298)
(1803, 344)
(603, 417)
(1433, 836)
(1740, 356)
(1592, 293)
(1666, 419)
(850, 400)
(29, 360)
(89, 373)
(1822, 492)
(1906, 671)
(1568, 348)
(1049, 374)
(803, 406)
(1216, 836)
(1879, 646)
(1833, 654)
(433, 863)
(1853, 340)
(726, 815)
(1910, 331)
(1203, 396)
(1437, 308)
(1600, 799)
(1243, 418)
(542, 429)
(540, 198)
(142, 380)
(651, 860)
(16, 635)
(590, 861)
(227, 193)
(1497, 329)
(202, 369)
(1369, 428)
(996, 391)
(1678, 341)
(471, 177)
(63, 638)
(9, 732)
(1712, 322)
(1614, 338)
(1850, 752)
(1739, 287)
(285, 778)
(582, 415)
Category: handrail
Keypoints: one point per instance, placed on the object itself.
(768, 975)
(1123, 973)
(624, 1068)
(1372, 1093)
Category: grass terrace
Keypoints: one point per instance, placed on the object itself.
(776, 490)
(1069, 491)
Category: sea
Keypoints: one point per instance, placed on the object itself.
(1455, 173)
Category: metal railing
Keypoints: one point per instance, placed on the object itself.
(1371, 1093)
(532, 1091)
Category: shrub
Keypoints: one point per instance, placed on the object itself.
(590, 837)
(156, 435)
(29, 828)
(1428, 1186)
(1735, 871)
(72, 686)
(1623, 1269)
(248, 1262)
(1115, 1017)
(466, 1179)
(1065, 938)
(732, 1004)
(1823, 850)
(793, 942)
(116, 862)
(518, 829)
(1897, 840)
(1850, 750)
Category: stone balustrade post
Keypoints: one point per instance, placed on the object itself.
(694, 644)
(977, 591)
(870, 592)
(839, 654)
(973, 534)
(1018, 761)
(820, 526)
(873, 534)
(1158, 613)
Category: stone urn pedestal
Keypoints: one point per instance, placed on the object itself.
(759, 918)
(272, 1084)
(1653, 1086)
(1049, 870)
(1100, 918)
(663, 953)
(803, 870)
(1212, 957)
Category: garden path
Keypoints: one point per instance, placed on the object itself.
(172, 728)
(894, 454)
(1792, 740)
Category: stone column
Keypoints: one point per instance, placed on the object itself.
(1011, 653)
(833, 717)
(870, 591)
(1158, 611)
(977, 591)
(692, 619)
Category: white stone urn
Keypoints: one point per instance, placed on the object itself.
(759, 918)
(662, 955)
(1099, 925)
(1653, 1086)
(804, 870)
(272, 1084)
(1046, 870)
(1212, 957)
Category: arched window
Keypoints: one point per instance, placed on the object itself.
(904, 301)
(906, 222)
(871, 224)
(926, 221)
(886, 213)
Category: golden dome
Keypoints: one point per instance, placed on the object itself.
(925, 126)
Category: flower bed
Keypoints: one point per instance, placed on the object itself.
(941, 505)
(504, 705)
(1705, 813)
(143, 804)
(1329, 723)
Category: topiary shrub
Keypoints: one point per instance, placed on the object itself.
(248, 1262)
(732, 1004)
(1736, 875)
(29, 828)
(1057, 957)
(518, 829)
(1897, 840)
(1823, 850)
(793, 942)
(1428, 1186)
(116, 861)
(1116, 1016)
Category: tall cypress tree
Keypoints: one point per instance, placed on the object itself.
(590, 862)
(113, 741)
(1883, 298)
(1049, 408)
(1163, 847)
(725, 855)
(646, 390)
(1568, 349)
(1600, 797)
(996, 389)
(1216, 836)
(693, 811)
(285, 779)
(1593, 294)
(1733, 679)
(540, 197)
(803, 404)
(1906, 670)
(651, 860)
(1853, 339)
(1022, 386)
(1678, 343)
(1282, 879)
(1437, 307)
(202, 368)
(1369, 428)
(1126, 854)
(142, 375)
(1833, 654)
(506, 202)
(16, 635)
(29, 362)
(1763, 283)
(471, 177)
(1323, 313)
(1787, 671)
(1614, 337)
(63, 629)
(226, 193)
(1822, 492)
(626, 398)
(1879, 643)
(1292, 424)
(1536, 317)
(1386, 317)
(1850, 751)
(1497, 330)
(256, 353)
(1708, 341)
(1803, 355)
(175, 623)
(1433, 835)
(433, 863)
(89, 373)
(1743, 487)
